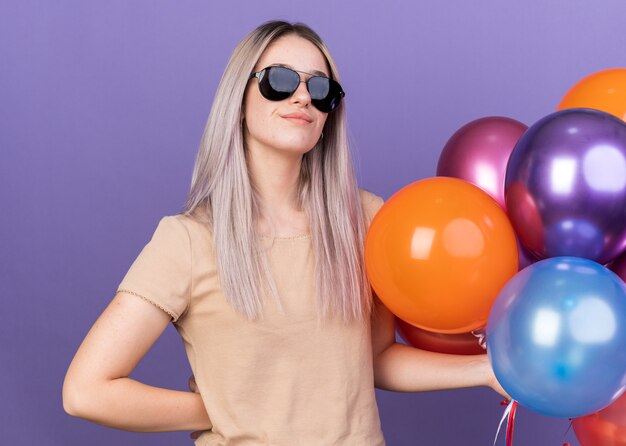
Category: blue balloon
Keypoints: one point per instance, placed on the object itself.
(556, 337)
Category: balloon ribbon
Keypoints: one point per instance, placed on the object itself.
(481, 335)
(568, 428)
(509, 415)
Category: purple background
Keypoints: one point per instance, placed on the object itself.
(102, 105)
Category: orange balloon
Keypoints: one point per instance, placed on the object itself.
(438, 252)
(604, 90)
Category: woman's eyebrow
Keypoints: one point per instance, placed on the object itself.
(316, 72)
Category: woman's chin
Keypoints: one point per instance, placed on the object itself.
(296, 147)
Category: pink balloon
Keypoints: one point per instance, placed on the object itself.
(479, 151)
(618, 266)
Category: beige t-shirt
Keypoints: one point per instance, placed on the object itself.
(282, 380)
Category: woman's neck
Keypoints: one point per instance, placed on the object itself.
(275, 175)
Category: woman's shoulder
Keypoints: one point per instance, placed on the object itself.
(197, 227)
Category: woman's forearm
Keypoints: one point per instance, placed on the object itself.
(402, 368)
(127, 404)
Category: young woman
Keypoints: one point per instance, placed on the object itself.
(263, 277)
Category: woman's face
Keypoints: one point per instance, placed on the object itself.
(292, 125)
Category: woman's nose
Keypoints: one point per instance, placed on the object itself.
(301, 95)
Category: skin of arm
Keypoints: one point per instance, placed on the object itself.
(402, 368)
(97, 386)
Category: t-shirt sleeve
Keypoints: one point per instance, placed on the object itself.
(161, 274)
(371, 205)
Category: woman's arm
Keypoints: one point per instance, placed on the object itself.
(97, 386)
(403, 368)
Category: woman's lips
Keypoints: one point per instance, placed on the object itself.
(298, 118)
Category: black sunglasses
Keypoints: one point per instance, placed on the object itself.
(278, 83)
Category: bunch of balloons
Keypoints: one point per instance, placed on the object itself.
(444, 254)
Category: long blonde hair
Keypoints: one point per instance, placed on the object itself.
(327, 191)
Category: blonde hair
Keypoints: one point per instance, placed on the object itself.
(327, 190)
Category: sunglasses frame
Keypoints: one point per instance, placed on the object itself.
(316, 102)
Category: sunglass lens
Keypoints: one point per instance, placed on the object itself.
(325, 93)
(279, 83)
(318, 87)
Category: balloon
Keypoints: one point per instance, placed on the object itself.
(525, 257)
(604, 90)
(556, 337)
(618, 266)
(604, 428)
(438, 252)
(566, 186)
(479, 151)
(454, 344)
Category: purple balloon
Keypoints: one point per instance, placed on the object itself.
(479, 151)
(524, 256)
(566, 186)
